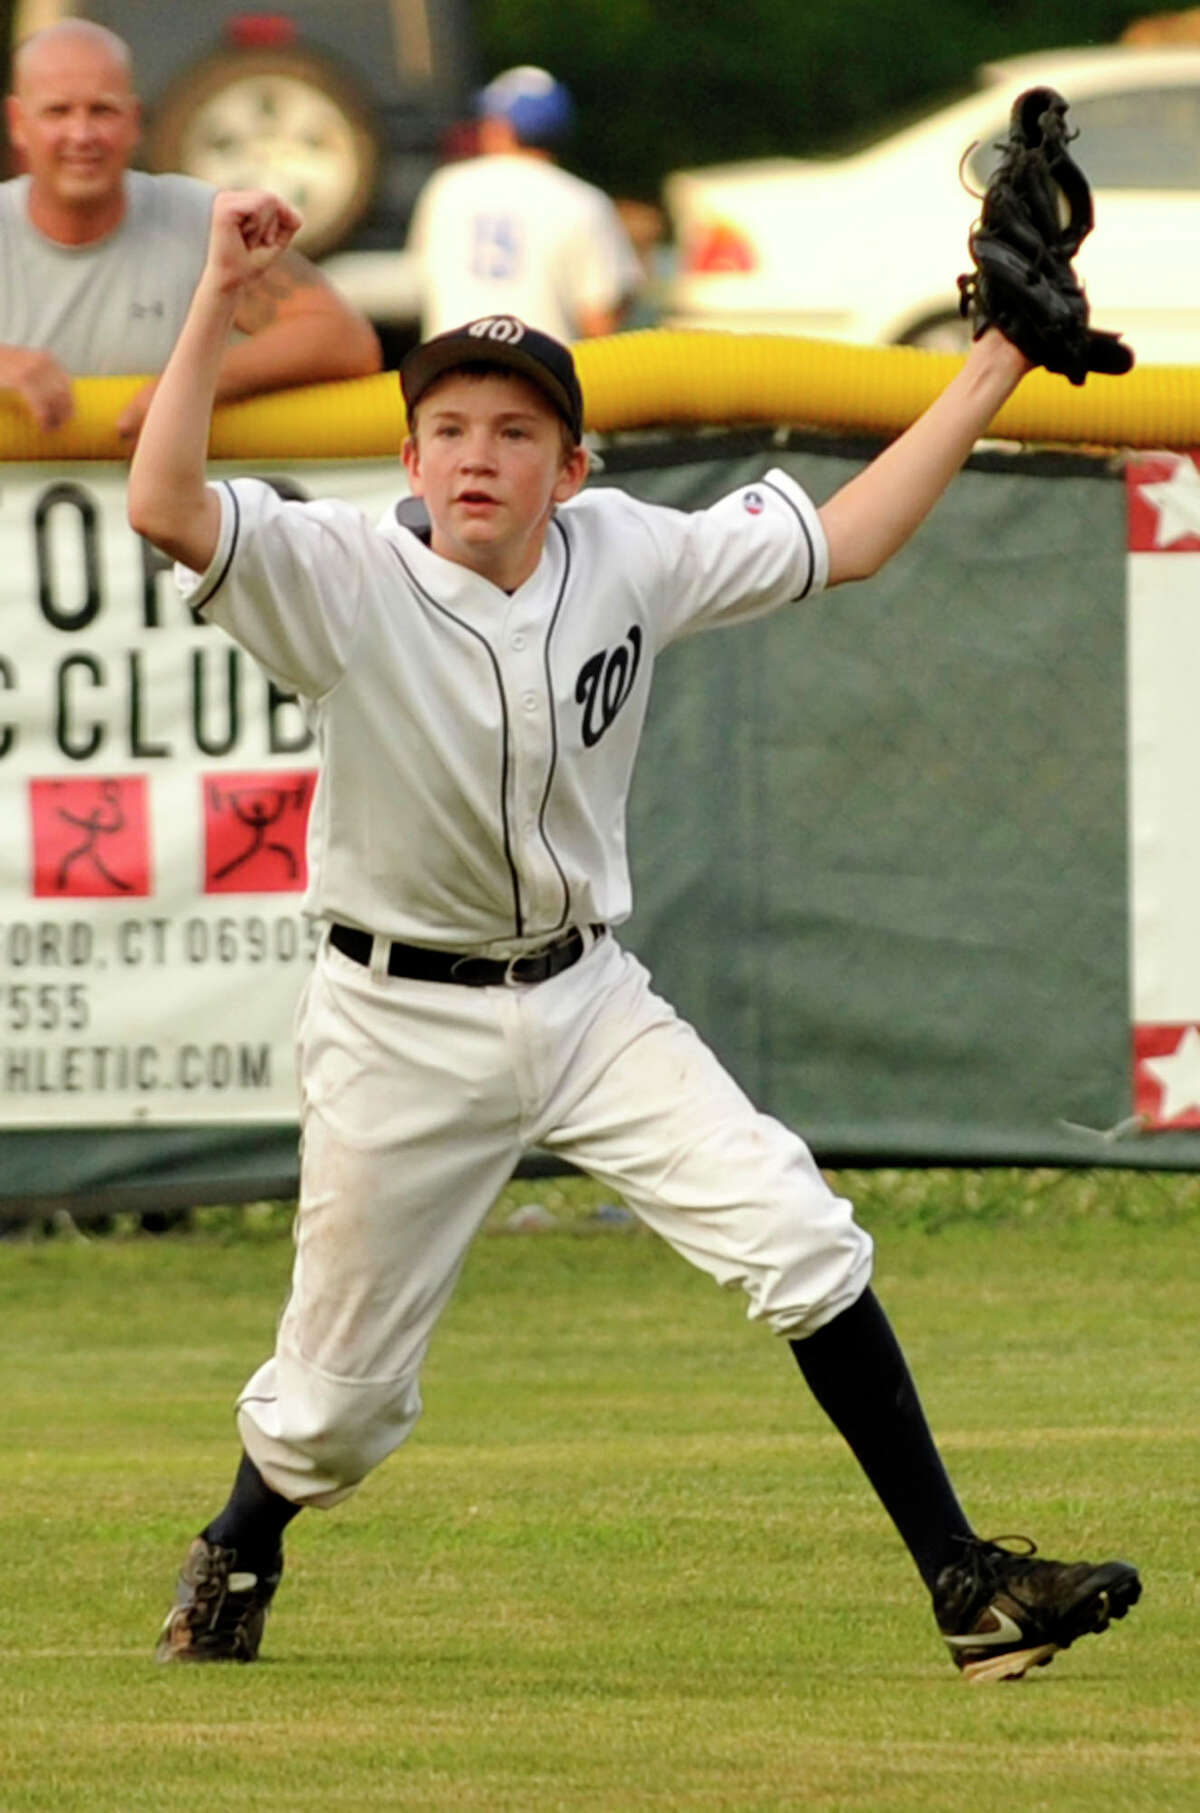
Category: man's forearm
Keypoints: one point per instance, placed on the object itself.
(311, 346)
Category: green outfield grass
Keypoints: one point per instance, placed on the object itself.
(623, 1563)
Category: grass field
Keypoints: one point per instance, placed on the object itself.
(623, 1563)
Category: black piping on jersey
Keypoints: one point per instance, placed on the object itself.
(562, 592)
(198, 604)
(804, 529)
(419, 589)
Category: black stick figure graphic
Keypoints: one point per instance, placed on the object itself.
(102, 821)
(258, 811)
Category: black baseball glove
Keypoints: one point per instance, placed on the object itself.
(1037, 212)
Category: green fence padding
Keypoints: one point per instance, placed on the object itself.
(879, 844)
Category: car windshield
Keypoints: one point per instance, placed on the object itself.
(1137, 138)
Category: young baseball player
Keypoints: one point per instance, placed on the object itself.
(467, 858)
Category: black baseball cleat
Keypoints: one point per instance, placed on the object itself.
(219, 1610)
(1001, 1612)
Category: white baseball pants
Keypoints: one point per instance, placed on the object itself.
(417, 1101)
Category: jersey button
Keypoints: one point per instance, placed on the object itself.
(529, 701)
(518, 642)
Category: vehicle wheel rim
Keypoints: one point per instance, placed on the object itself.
(278, 133)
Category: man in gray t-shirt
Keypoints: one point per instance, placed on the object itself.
(98, 262)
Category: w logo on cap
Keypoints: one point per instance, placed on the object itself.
(498, 327)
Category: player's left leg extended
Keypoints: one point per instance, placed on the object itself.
(645, 1106)
(410, 1130)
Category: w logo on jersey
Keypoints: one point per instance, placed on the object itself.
(605, 682)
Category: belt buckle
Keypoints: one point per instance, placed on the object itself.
(466, 970)
(558, 955)
(512, 973)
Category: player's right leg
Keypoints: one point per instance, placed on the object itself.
(647, 1108)
(410, 1129)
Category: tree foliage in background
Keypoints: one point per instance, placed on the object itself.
(666, 83)
(6, 27)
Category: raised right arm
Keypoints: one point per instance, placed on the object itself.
(170, 502)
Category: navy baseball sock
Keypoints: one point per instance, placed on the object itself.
(253, 1521)
(856, 1371)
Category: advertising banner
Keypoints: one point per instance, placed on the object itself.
(154, 788)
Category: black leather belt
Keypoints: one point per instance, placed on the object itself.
(421, 964)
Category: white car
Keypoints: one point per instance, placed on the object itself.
(868, 247)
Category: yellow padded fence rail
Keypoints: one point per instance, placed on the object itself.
(662, 378)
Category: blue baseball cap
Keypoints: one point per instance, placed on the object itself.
(537, 107)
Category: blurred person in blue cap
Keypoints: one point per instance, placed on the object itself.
(509, 232)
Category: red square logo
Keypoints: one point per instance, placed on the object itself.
(91, 838)
(254, 830)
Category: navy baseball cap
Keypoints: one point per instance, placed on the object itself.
(498, 340)
(538, 108)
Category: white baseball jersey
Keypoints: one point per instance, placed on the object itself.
(517, 235)
(115, 306)
(480, 746)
